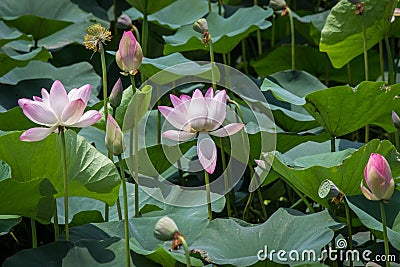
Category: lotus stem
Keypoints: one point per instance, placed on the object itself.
(209, 6)
(244, 56)
(292, 38)
(247, 207)
(273, 31)
(126, 209)
(64, 162)
(349, 75)
(333, 146)
(348, 220)
(207, 181)
(33, 230)
(56, 227)
(364, 30)
(104, 73)
(390, 60)
(226, 182)
(261, 199)
(186, 248)
(381, 61)
(385, 236)
(214, 85)
(397, 139)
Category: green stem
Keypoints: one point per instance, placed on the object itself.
(308, 204)
(106, 212)
(64, 162)
(261, 199)
(385, 237)
(333, 146)
(115, 16)
(207, 181)
(220, 7)
(209, 6)
(214, 85)
(273, 31)
(56, 227)
(33, 230)
(247, 207)
(348, 219)
(366, 133)
(364, 29)
(381, 61)
(397, 139)
(259, 44)
(292, 38)
(136, 166)
(244, 57)
(186, 248)
(349, 75)
(390, 60)
(226, 182)
(104, 72)
(126, 209)
(145, 32)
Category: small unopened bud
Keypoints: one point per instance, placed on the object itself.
(116, 94)
(124, 22)
(395, 119)
(114, 138)
(200, 26)
(165, 229)
(277, 5)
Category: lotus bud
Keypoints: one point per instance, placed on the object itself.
(277, 5)
(116, 94)
(129, 55)
(114, 139)
(165, 229)
(124, 22)
(200, 26)
(378, 177)
(395, 119)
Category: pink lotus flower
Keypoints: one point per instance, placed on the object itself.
(57, 109)
(200, 116)
(378, 177)
(129, 55)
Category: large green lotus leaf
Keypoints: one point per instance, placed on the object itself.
(142, 239)
(172, 72)
(7, 222)
(90, 173)
(310, 59)
(284, 230)
(346, 175)
(343, 109)
(189, 11)
(73, 76)
(226, 33)
(33, 198)
(14, 119)
(310, 26)
(369, 214)
(41, 18)
(81, 253)
(10, 59)
(149, 6)
(342, 35)
(8, 34)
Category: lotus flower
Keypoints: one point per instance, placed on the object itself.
(378, 177)
(396, 13)
(129, 55)
(57, 108)
(114, 139)
(199, 116)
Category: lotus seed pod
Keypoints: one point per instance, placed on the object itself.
(200, 26)
(328, 189)
(165, 229)
(277, 4)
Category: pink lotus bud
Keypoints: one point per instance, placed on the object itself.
(114, 139)
(129, 55)
(378, 177)
(395, 119)
(116, 94)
